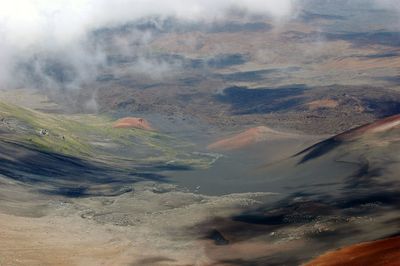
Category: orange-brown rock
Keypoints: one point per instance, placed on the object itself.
(378, 253)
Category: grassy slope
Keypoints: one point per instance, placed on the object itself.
(93, 137)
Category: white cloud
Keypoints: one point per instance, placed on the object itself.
(28, 27)
(27, 21)
(388, 4)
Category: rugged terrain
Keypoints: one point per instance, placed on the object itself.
(236, 141)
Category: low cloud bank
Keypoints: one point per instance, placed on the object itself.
(47, 42)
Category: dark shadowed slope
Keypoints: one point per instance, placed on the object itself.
(337, 193)
(365, 131)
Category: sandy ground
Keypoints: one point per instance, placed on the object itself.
(142, 228)
(58, 241)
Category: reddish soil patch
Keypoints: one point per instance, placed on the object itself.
(375, 127)
(133, 122)
(325, 103)
(246, 138)
(378, 253)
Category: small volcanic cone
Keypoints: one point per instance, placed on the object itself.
(133, 122)
(378, 253)
(246, 138)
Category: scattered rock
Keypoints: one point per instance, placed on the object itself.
(43, 132)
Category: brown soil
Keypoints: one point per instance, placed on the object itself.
(133, 122)
(378, 253)
(326, 103)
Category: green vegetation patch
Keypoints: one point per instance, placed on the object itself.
(93, 137)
